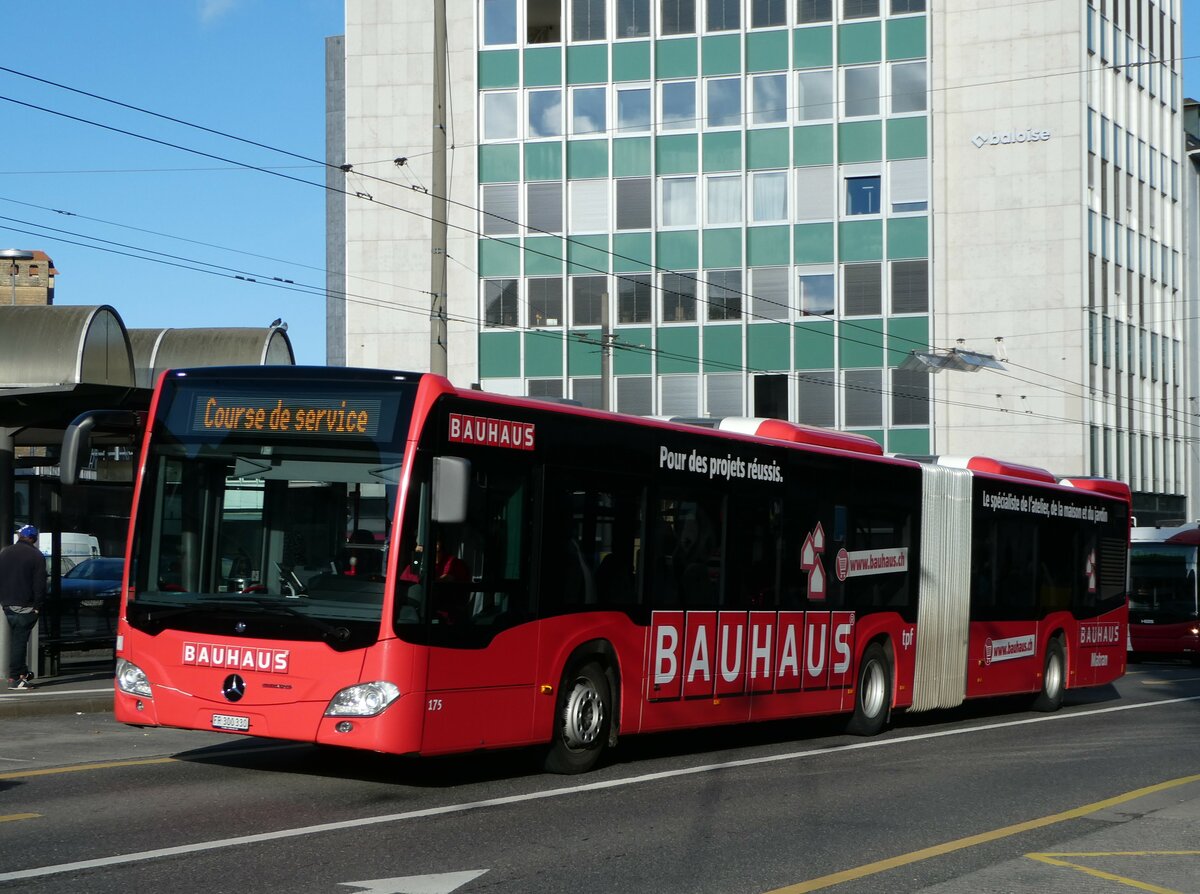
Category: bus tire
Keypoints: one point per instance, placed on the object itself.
(1053, 678)
(873, 694)
(582, 721)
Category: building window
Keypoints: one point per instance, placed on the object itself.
(862, 398)
(862, 290)
(861, 91)
(768, 99)
(910, 287)
(678, 297)
(500, 209)
(723, 15)
(723, 199)
(677, 206)
(815, 398)
(769, 286)
(633, 110)
(814, 294)
(860, 9)
(723, 394)
(768, 13)
(862, 195)
(633, 18)
(589, 110)
(587, 20)
(633, 203)
(816, 193)
(770, 396)
(908, 87)
(500, 116)
(678, 16)
(908, 185)
(678, 395)
(910, 397)
(677, 108)
(814, 95)
(545, 301)
(589, 206)
(903, 7)
(499, 22)
(544, 207)
(545, 114)
(542, 21)
(809, 11)
(589, 392)
(724, 295)
(635, 395)
(723, 102)
(500, 302)
(635, 298)
(552, 388)
(769, 190)
(587, 296)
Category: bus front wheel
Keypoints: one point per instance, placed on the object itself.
(581, 722)
(1053, 678)
(873, 695)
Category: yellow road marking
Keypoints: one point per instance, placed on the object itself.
(938, 850)
(18, 816)
(52, 771)
(1108, 876)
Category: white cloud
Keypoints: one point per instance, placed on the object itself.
(211, 10)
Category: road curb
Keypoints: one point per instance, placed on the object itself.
(32, 705)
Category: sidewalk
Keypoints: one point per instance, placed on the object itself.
(79, 693)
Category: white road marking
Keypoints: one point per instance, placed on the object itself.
(442, 883)
(446, 809)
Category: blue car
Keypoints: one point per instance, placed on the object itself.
(91, 595)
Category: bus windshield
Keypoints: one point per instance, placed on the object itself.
(1164, 581)
(273, 533)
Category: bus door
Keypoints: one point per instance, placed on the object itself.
(1003, 654)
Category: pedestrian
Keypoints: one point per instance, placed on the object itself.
(22, 589)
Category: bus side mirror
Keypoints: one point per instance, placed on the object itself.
(451, 481)
(76, 452)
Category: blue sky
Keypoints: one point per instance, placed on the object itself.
(250, 68)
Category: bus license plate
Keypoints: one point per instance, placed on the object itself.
(230, 721)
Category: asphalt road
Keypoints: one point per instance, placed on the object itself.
(964, 801)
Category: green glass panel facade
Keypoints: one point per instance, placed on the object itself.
(543, 67)
(861, 342)
(768, 246)
(722, 248)
(767, 148)
(814, 343)
(679, 250)
(906, 38)
(630, 360)
(766, 51)
(678, 347)
(631, 253)
(583, 352)
(907, 137)
(631, 157)
(499, 68)
(543, 353)
(767, 346)
(587, 255)
(813, 243)
(499, 354)
(906, 334)
(860, 141)
(721, 54)
(676, 58)
(543, 161)
(543, 256)
(499, 257)
(860, 240)
(631, 60)
(587, 159)
(500, 164)
(588, 64)
(908, 237)
(860, 42)
(875, 434)
(678, 154)
(722, 348)
(813, 145)
(913, 441)
(813, 47)
(722, 150)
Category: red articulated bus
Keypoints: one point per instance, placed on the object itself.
(382, 561)
(1164, 614)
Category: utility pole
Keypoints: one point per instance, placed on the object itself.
(437, 316)
(605, 355)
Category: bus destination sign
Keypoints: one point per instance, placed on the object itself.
(318, 415)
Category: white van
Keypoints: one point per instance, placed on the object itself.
(75, 548)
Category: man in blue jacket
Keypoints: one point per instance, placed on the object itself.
(22, 589)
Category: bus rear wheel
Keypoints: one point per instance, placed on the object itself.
(582, 721)
(873, 695)
(1053, 678)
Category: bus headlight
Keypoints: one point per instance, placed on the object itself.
(132, 679)
(363, 700)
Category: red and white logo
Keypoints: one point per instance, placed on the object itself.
(244, 658)
(810, 561)
(995, 650)
(488, 432)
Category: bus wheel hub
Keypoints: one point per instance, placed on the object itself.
(584, 715)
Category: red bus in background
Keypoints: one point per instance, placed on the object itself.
(382, 561)
(1164, 614)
